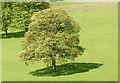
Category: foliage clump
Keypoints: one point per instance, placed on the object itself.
(53, 37)
(18, 14)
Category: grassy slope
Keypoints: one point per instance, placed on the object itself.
(98, 36)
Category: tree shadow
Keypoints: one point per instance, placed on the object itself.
(66, 69)
(13, 35)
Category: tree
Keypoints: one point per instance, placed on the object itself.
(24, 10)
(53, 37)
(17, 14)
(6, 16)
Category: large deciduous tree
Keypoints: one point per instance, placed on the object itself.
(53, 37)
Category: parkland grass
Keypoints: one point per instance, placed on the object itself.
(99, 35)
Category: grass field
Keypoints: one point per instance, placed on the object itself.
(99, 35)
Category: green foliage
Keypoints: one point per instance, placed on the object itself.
(17, 14)
(24, 10)
(6, 15)
(52, 34)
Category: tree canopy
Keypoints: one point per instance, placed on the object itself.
(17, 14)
(53, 37)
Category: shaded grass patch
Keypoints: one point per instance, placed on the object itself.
(18, 34)
(66, 69)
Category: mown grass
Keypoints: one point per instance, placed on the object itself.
(99, 35)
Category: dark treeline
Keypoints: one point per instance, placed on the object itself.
(18, 14)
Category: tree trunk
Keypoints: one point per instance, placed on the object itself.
(53, 64)
(6, 32)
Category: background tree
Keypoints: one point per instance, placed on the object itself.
(53, 36)
(17, 14)
(6, 16)
(24, 10)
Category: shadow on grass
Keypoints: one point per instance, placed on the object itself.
(13, 35)
(66, 69)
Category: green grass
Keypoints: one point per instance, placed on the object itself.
(99, 35)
